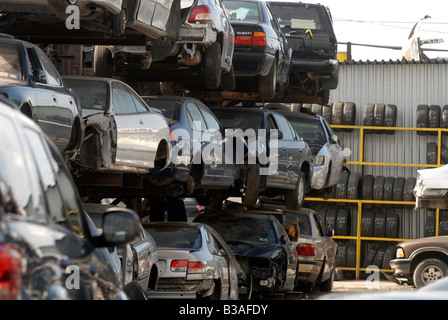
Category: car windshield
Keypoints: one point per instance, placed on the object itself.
(242, 228)
(309, 129)
(175, 237)
(239, 119)
(168, 107)
(242, 11)
(299, 17)
(10, 61)
(92, 94)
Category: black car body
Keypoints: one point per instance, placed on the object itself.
(261, 49)
(261, 247)
(49, 247)
(29, 79)
(199, 149)
(309, 30)
(283, 157)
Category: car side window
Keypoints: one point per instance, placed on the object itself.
(53, 78)
(139, 104)
(35, 66)
(284, 127)
(198, 120)
(270, 124)
(121, 99)
(210, 120)
(320, 228)
(272, 19)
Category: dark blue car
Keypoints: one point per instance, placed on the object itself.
(204, 163)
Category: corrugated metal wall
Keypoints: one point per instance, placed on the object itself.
(405, 85)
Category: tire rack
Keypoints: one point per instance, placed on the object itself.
(360, 202)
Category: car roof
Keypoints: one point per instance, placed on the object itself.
(295, 114)
(170, 98)
(295, 2)
(90, 78)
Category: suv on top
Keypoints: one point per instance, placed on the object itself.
(49, 247)
(420, 261)
(309, 30)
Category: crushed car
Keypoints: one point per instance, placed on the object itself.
(431, 188)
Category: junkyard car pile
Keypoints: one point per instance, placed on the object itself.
(56, 129)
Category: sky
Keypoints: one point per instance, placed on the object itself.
(387, 23)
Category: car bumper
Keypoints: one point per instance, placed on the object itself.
(326, 66)
(401, 267)
(319, 177)
(308, 271)
(181, 289)
(247, 64)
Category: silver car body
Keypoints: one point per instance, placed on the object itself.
(219, 265)
(129, 140)
(313, 232)
(431, 188)
(138, 259)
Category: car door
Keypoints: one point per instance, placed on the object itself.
(335, 151)
(136, 130)
(291, 254)
(290, 150)
(141, 248)
(325, 248)
(223, 272)
(276, 153)
(229, 35)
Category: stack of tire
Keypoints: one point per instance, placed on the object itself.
(431, 116)
(338, 219)
(379, 115)
(388, 188)
(432, 153)
(337, 113)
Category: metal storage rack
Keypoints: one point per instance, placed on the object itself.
(358, 237)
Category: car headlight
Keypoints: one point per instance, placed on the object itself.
(319, 160)
(400, 253)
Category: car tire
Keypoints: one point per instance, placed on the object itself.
(368, 116)
(422, 118)
(392, 225)
(389, 254)
(367, 222)
(268, 83)
(398, 189)
(326, 112)
(341, 255)
(444, 154)
(212, 68)
(367, 187)
(431, 153)
(341, 185)
(349, 115)
(379, 256)
(433, 118)
(294, 199)
(119, 23)
(343, 222)
(337, 114)
(316, 109)
(101, 58)
(354, 186)
(379, 224)
(388, 188)
(428, 271)
(378, 117)
(378, 188)
(330, 218)
(444, 118)
(252, 186)
(368, 260)
(409, 185)
(351, 256)
(390, 117)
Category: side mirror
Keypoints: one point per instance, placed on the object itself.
(120, 226)
(283, 239)
(330, 232)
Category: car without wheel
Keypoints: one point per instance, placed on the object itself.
(197, 56)
(122, 133)
(111, 17)
(327, 152)
(262, 249)
(49, 248)
(309, 30)
(30, 80)
(283, 159)
(420, 261)
(195, 262)
(261, 49)
(203, 157)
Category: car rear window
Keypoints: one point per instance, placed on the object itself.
(10, 61)
(239, 119)
(309, 129)
(175, 237)
(168, 108)
(242, 11)
(300, 17)
(92, 94)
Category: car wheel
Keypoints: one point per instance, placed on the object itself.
(119, 23)
(252, 186)
(212, 68)
(422, 118)
(428, 271)
(268, 83)
(101, 58)
(294, 198)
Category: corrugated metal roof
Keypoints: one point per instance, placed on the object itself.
(426, 61)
